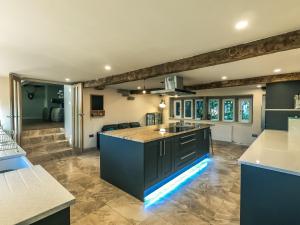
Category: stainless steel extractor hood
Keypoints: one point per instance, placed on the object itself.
(173, 87)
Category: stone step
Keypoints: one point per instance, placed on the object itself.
(39, 132)
(39, 156)
(27, 141)
(48, 147)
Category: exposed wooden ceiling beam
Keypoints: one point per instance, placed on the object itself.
(247, 81)
(235, 83)
(261, 47)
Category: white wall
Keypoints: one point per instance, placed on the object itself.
(33, 108)
(4, 102)
(117, 110)
(240, 133)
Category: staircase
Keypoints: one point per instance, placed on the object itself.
(45, 144)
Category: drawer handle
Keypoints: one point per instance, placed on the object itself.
(183, 157)
(186, 142)
(191, 135)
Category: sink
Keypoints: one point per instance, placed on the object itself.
(16, 163)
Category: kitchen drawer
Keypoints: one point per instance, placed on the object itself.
(186, 143)
(184, 160)
(187, 137)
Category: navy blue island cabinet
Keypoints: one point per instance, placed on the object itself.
(139, 168)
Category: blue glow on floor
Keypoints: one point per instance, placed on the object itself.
(175, 183)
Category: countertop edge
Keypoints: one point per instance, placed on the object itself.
(240, 162)
(264, 143)
(47, 213)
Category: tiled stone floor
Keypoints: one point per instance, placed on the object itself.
(212, 198)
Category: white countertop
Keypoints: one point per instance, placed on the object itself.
(275, 150)
(150, 133)
(28, 195)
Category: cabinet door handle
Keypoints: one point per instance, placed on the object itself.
(186, 142)
(191, 135)
(183, 157)
(164, 147)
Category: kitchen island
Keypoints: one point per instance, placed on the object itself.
(270, 180)
(141, 160)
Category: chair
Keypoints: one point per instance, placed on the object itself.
(134, 124)
(109, 127)
(123, 125)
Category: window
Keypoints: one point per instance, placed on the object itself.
(237, 108)
(245, 110)
(188, 109)
(177, 109)
(199, 109)
(228, 110)
(213, 109)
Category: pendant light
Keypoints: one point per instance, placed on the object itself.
(144, 90)
(162, 104)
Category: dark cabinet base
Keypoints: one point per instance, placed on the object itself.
(174, 175)
(269, 197)
(60, 218)
(137, 167)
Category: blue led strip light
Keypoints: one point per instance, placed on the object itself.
(173, 184)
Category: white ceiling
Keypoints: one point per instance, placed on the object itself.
(55, 39)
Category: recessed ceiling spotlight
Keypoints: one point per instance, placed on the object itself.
(241, 25)
(259, 86)
(224, 78)
(107, 67)
(139, 87)
(278, 70)
(67, 79)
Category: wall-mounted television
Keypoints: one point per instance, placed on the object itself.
(97, 106)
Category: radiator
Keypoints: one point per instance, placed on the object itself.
(222, 132)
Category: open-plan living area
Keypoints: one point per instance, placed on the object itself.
(150, 112)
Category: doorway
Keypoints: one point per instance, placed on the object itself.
(42, 105)
(46, 117)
